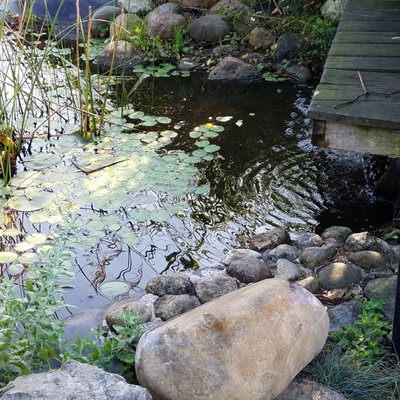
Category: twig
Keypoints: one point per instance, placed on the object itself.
(364, 94)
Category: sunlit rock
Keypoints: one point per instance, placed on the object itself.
(269, 239)
(338, 275)
(246, 345)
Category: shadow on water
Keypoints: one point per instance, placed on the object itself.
(268, 173)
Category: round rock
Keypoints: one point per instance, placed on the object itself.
(232, 68)
(338, 275)
(212, 287)
(287, 270)
(260, 38)
(343, 314)
(229, 7)
(310, 283)
(269, 239)
(370, 260)
(131, 306)
(135, 6)
(285, 251)
(246, 265)
(289, 45)
(304, 240)
(170, 306)
(177, 283)
(312, 257)
(164, 25)
(209, 28)
(339, 233)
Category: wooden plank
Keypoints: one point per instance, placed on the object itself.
(360, 112)
(374, 81)
(357, 138)
(368, 26)
(377, 14)
(371, 5)
(349, 92)
(367, 37)
(371, 63)
(360, 50)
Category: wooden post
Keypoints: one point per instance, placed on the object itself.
(396, 320)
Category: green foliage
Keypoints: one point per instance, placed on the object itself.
(369, 333)
(318, 31)
(29, 331)
(345, 373)
(114, 354)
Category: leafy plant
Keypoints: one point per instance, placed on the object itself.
(368, 335)
(113, 354)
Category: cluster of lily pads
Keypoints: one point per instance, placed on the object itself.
(104, 191)
(163, 70)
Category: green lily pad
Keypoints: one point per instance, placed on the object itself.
(199, 153)
(217, 128)
(41, 160)
(115, 288)
(39, 217)
(159, 215)
(7, 256)
(36, 202)
(23, 246)
(212, 148)
(15, 269)
(11, 232)
(202, 143)
(28, 258)
(195, 134)
(211, 134)
(164, 120)
(36, 238)
(169, 134)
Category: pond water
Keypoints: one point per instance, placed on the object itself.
(229, 160)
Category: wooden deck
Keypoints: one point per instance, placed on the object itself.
(356, 106)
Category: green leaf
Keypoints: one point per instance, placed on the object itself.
(115, 288)
(36, 202)
(7, 257)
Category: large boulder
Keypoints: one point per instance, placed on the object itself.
(232, 68)
(74, 381)
(195, 3)
(269, 239)
(135, 6)
(118, 55)
(246, 345)
(338, 275)
(164, 25)
(178, 283)
(209, 28)
(246, 265)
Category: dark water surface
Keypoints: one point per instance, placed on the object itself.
(267, 174)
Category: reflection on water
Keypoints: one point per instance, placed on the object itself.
(266, 174)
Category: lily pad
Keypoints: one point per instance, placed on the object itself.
(115, 288)
(211, 148)
(169, 134)
(36, 238)
(41, 160)
(23, 246)
(7, 256)
(28, 258)
(15, 269)
(22, 203)
(11, 232)
(39, 217)
(202, 143)
(164, 120)
(195, 134)
(211, 134)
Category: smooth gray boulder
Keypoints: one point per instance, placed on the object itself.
(246, 265)
(169, 306)
(101, 19)
(135, 6)
(209, 28)
(285, 251)
(289, 45)
(246, 345)
(343, 314)
(312, 257)
(164, 25)
(338, 275)
(232, 68)
(370, 260)
(339, 233)
(74, 381)
(269, 239)
(178, 283)
(125, 56)
(307, 239)
(287, 270)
